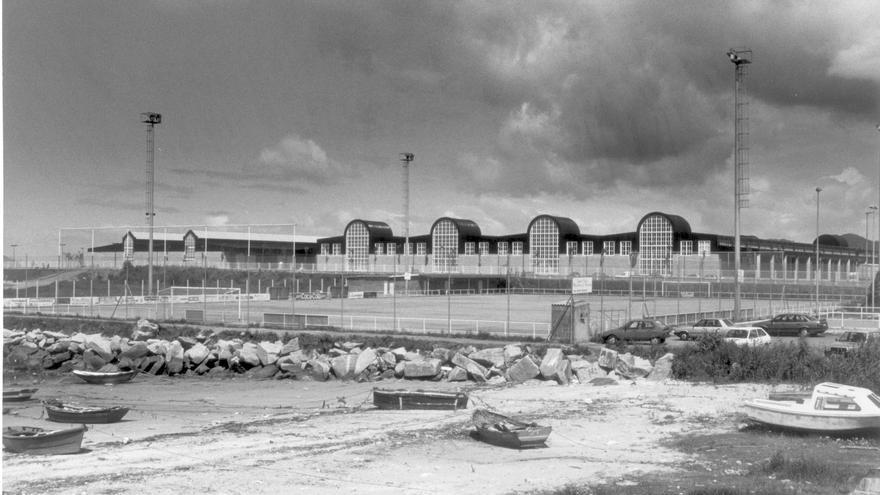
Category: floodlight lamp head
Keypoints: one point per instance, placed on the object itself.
(407, 157)
(818, 189)
(739, 57)
(151, 118)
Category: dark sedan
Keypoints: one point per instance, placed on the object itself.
(800, 324)
(644, 330)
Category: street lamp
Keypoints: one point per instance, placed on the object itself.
(151, 119)
(818, 269)
(13, 246)
(740, 59)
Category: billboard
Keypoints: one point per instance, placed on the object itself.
(582, 285)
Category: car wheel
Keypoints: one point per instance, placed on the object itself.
(656, 341)
(611, 339)
(683, 336)
(803, 332)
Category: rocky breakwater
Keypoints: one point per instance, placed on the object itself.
(208, 354)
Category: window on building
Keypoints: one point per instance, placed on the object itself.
(502, 248)
(379, 248)
(517, 248)
(571, 248)
(544, 246)
(608, 248)
(483, 248)
(128, 248)
(444, 245)
(686, 248)
(655, 246)
(407, 248)
(626, 248)
(469, 248)
(587, 247)
(421, 249)
(325, 248)
(337, 249)
(357, 247)
(391, 248)
(189, 248)
(704, 247)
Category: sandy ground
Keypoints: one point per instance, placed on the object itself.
(239, 436)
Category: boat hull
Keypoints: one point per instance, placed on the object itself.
(20, 395)
(30, 440)
(503, 431)
(85, 415)
(792, 415)
(105, 378)
(418, 399)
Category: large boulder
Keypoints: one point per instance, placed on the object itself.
(174, 358)
(493, 356)
(344, 366)
(366, 358)
(135, 350)
(586, 370)
(252, 355)
(457, 374)
(522, 370)
(262, 372)
(512, 352)
(92, 360)
(443, 354)
(292, 345)
(272, 351)
(662, 368)
(145, 330)
(100, 345)
(474, 369)
(607, 359)
(319, 369)
(197, 354)
(629, 366)
(551, 362)
(424, 368)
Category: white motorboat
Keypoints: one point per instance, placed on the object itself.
(832, 408)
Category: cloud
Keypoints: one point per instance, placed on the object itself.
(217, 219)
(296, 158)
(849, 176)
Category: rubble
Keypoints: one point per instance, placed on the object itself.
(211, 356)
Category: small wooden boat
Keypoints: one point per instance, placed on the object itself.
(68, 413)
(503, 431)
(831, 408)
(18, 395)
(105, 377)
(418, 399)
(32, 440)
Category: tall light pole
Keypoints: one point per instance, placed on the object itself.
(873, 303)
(818, 270)
(13, 246)
(405, 159)
(740, 59)
(151, 119)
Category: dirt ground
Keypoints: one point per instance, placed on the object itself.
(239, 436)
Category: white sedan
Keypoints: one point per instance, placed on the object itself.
(747, 336)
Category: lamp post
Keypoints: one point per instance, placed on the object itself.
(13, 246)
(151, 119)
(818, 269)
(740, 59)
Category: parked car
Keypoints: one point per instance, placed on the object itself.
(800, 324)
(747, 336)
(850, 341)
(706, 326)
(645, 330)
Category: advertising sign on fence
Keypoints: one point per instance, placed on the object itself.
(582, 285)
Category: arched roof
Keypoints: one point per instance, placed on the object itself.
(379, 231)
(679, 224)
(467, 229)
(567, 228)
(832, 240)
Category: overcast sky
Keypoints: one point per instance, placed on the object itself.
(296, 112)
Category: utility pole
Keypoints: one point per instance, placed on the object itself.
(151, 119)
(740, 59)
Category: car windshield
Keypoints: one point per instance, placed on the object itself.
(727, 322)
(853, 337)
(738, 334)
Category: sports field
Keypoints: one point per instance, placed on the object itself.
(518, 314)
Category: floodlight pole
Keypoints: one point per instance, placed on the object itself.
(818, 270)
(740, 58)
(405, 159)
(151, 119)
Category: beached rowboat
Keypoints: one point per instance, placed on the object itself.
(418, 399)
(503, 431)
(68, 413)
(18, 395)
(831, 408)
(105, 377)
(32, 440)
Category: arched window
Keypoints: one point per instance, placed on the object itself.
(357, 247)
(444, 245)
(655, 246)
(544, 246)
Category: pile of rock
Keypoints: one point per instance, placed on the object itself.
(206, 354)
